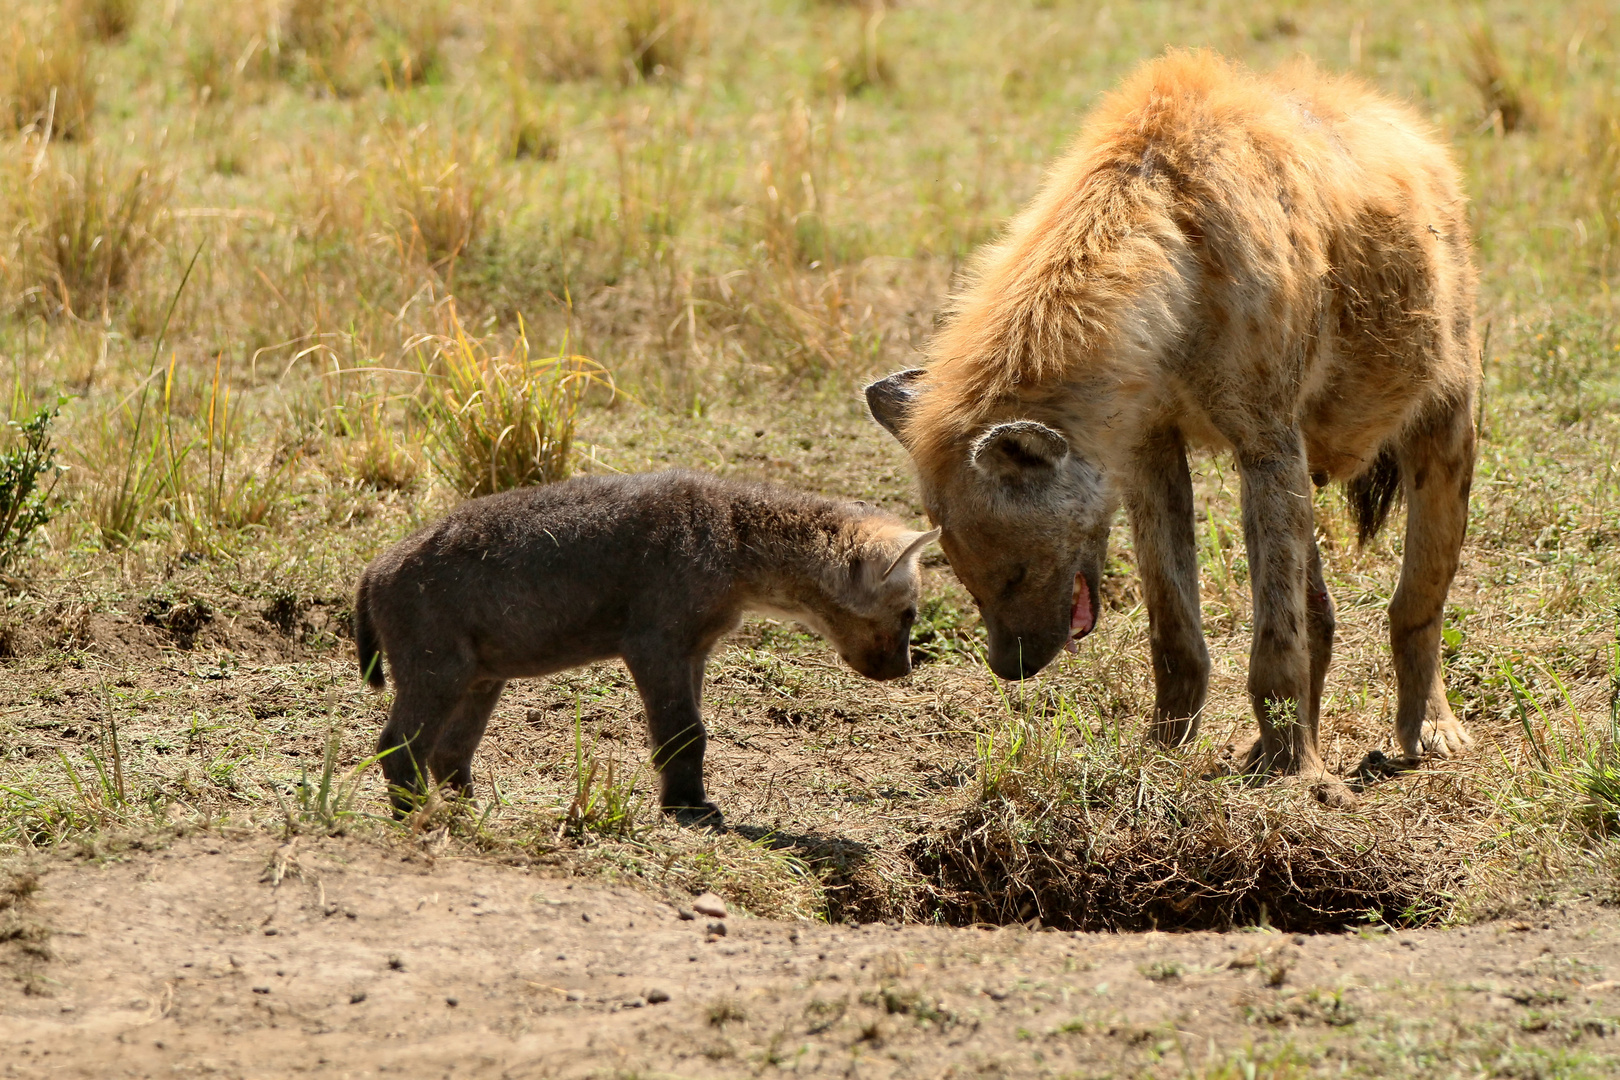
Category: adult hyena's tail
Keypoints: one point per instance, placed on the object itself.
(1374, 493)
(365, 637)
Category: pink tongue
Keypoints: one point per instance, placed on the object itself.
(1081, 617)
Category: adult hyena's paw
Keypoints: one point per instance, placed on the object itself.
(1442, 738)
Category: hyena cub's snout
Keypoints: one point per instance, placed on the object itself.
(886, 654)
(872, 632)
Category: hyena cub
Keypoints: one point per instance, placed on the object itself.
(653, 568)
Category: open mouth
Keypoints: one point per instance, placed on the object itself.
(1083, 615)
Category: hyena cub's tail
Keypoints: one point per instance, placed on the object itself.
(365, 637)
(1374, 493)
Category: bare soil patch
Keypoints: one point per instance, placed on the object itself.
(247, 957)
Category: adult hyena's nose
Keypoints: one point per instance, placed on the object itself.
(1018, 656)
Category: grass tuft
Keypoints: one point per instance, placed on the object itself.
(47, 85)
(438, 192)
(660, 37)
(1078, 824)
(105, 20)
(496, 417)
(89, 222)
(1506, 102)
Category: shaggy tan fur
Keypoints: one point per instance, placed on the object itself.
(1273, 266)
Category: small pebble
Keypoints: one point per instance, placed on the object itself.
(684, 915)
(261, 989)
(710, 905)
(634, 1003)
(357, 997)
(574, 995)
(271, 931)
(718, 929)
(452, 1002)
(584, 916)
(657, 997)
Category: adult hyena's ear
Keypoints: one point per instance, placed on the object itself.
(913, 548)
(1020, 451)
(891, 399)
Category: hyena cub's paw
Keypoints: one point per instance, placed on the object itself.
(704, 815)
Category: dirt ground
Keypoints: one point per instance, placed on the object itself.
(229, 956)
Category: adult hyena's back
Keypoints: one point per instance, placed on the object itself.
(1321, 239)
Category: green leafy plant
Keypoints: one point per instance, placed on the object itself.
(604, 802)
(28, 476)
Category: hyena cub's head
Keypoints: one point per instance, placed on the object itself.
(873, 598)
(1023, 519)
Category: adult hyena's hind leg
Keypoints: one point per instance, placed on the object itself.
(1436, 459)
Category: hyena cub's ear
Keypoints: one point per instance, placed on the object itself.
(1019, 451)
(912, 545)
(892, 397)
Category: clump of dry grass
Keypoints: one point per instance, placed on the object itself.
(659, 37)
(438, 192)
(88, 222)
(46, 82)
(497, 417)
(793, 184)
(324, 42)
(624, 40)
(1194, 855)
(105, 20)
(1088, 828)
(411, 40)
(1506, 102)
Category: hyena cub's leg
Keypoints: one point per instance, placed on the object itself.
(422, 705)
(1160, 506)
(1437, 469)
(671, 684)
(450, 757)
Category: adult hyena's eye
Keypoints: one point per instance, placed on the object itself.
(1013, 582)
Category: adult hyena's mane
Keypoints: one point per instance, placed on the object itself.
(1196, 194)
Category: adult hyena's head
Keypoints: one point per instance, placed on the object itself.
(1024, 521)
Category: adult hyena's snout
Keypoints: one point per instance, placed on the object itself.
(1018, 654)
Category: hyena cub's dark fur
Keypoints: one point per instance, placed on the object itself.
(653, 568)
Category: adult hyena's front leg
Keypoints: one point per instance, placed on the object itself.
(1437, 469)
(1160, 505)
(1277, 522)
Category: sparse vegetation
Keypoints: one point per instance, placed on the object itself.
(446, 249)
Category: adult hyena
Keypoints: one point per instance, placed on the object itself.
(1277, 267)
